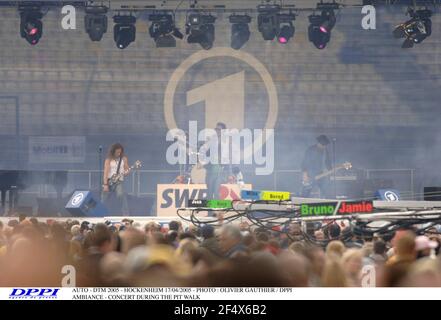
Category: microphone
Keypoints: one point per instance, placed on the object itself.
(100, 149)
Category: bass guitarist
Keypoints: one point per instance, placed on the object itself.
(315, 162)
(116, 162)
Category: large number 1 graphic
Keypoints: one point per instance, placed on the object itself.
(224, 100)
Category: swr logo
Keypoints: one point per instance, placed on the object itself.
(34, 293)
(179, 198)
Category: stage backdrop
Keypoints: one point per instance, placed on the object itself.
(62, 99)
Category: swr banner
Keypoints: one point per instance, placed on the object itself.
(171, 197)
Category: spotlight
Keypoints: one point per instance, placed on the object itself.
(124, 31)
(200, 29)
(95, 22)
(415, 30)
(240, 31)
(328, 20)
(287, 29)
(286, 33)
(319, 31)
(31, 27)
(315, 34)
(267, 21)
(271, 23)
(163, 30)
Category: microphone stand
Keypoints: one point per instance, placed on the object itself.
(333, 166)
(100, 165)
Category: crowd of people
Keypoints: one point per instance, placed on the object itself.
(127, 253)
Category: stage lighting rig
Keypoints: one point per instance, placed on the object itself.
(163, 30)
(319, 31)
(31, 26)
(415, 30)
(240, 30)
(95, 22)
(267, 21)
(272, 23)
(287, 29)
(200, 29)
(124, 31)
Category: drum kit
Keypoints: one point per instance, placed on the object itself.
(191, 174)
(196, 173)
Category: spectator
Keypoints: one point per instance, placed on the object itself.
(113, 271)
(100, 243)
(297, 247)
(404, 250)
(352, 262)
(424, 247)
(319, 235)
(191, 231)
(209, 241)
(425, 272)
(174, 226)
(334, 231)
(132, 238)
(244, 226)
(262, 271)
(158, 238)
(32, 253)
(187, 235)
(296, 268)
(333, 273)
(76, 233)
(152, 227)
(378, 256)
(21, 217)
(230, 241)
(156, 266)
(172, 238)
(335, 248)
(316, 257)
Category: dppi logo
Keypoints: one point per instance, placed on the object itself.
(224, 101)
(77, 199)
(34, 293)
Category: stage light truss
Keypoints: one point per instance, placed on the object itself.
(210, 5)
(275, 19)
(215, 5)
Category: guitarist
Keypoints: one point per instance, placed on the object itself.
(116, 162)
(316, 161)
(215, 170)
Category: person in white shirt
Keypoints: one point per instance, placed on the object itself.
(116, 163)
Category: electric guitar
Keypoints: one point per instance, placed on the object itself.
(116, 179)
(311, 182)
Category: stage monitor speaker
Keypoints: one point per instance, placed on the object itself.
(83, 203)
(388, 195)
(432, 193)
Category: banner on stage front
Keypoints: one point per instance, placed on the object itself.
(171, 197)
